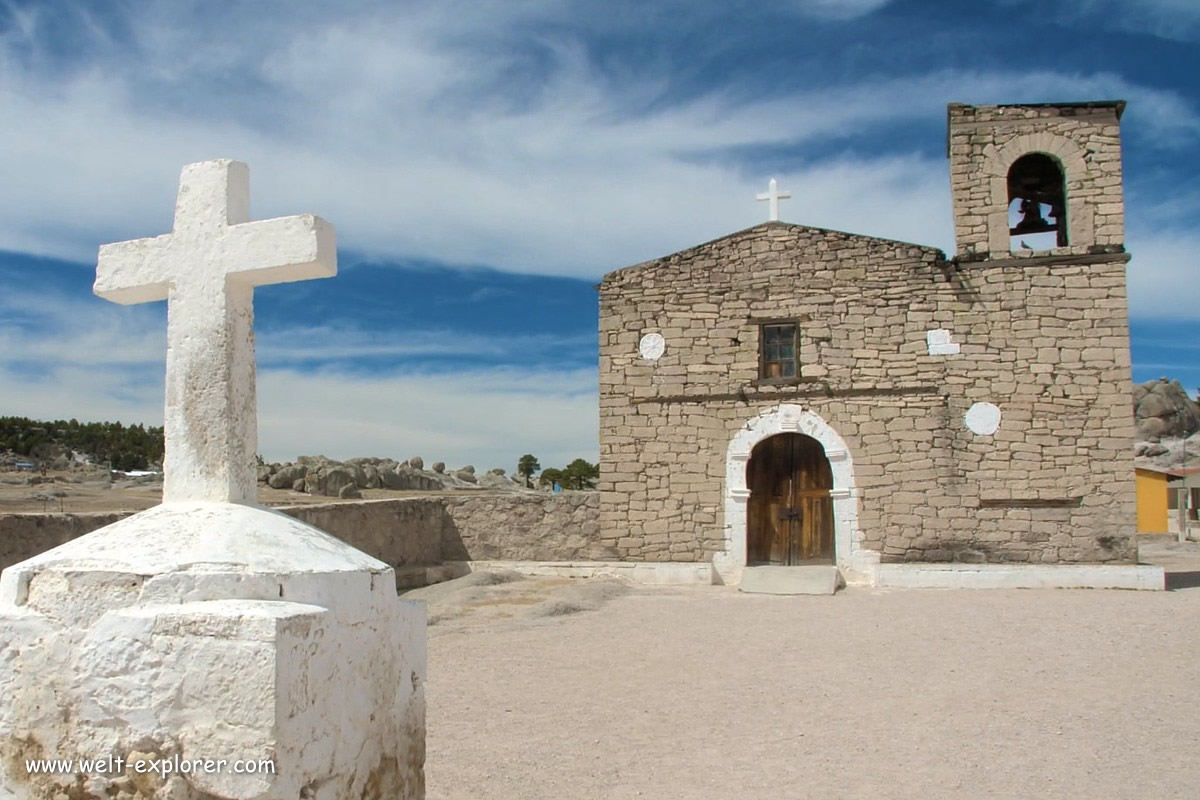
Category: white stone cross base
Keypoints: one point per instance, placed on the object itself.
(191, 635)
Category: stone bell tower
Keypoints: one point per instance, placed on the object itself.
(1040, 227)
(1036, 180)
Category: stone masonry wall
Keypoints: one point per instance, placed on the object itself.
(984, 141)
(23, 536)
(408, 532)
(401, 533)
(1047, 344)
(562, 527)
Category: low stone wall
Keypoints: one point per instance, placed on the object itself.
(405, 533)
(23, 536)
(564, 527)
(401, 533)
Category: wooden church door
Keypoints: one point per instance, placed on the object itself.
(790, 511)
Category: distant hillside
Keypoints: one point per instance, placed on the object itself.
(127, 447)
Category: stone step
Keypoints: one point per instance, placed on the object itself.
(790, 580)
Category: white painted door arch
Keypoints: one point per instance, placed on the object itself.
(786, 418)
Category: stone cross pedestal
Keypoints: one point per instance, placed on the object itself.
(208, 647)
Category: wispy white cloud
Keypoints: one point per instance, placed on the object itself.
(54, 329)
(99, 361)
(1167, 19)
(40, 327)
(1162, 274)
(485, 417)
(278, 346)
(483, 132)
(836, 9)
(490, 137)
(487, 293)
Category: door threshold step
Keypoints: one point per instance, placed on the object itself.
(790, 580)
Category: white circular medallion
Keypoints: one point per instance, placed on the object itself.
(983, 419)
(652, 346)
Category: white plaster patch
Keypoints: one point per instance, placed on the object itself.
(939, 343)
(983, 419)
(652, 346)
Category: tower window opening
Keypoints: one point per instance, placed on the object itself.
(1037, 203)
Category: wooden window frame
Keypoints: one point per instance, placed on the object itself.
(763, 324)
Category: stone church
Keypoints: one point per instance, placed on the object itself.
(793, 395)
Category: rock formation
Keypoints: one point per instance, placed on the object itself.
(1163, 410)
(1168, 425)
(322, 476)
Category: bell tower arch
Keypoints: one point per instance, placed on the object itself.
(1039, 179)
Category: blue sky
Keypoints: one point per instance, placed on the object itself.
(486, 162)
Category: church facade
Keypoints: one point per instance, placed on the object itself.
(792, 395)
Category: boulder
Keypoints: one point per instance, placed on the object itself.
(372, 473)
(405, 478)
(390, 479)
(1149, 449)
(349, 492)
(439, 467)
(416, 462)
(286, 476)
(1169, 453)
(1163, 410)
(1151, 429)
(299, 485)
(364, 461)
(469, 468)
(331, 480)
(313, 480)
(469, 477)
(496, 479)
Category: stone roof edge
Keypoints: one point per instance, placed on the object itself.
(1117, 105)
(765, 226)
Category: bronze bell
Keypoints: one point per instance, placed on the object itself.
(1032, 220)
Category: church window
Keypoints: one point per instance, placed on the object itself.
(1037, 203)
(778, 358)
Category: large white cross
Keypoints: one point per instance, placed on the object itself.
(206, 269)
(773, 196)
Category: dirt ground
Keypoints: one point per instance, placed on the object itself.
(74, 492)
(553, 689)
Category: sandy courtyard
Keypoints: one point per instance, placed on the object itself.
(708, 693)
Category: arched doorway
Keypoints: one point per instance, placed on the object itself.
(790, 509)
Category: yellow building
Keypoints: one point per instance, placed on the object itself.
(1151, 500)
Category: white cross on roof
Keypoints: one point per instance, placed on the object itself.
(773, 196)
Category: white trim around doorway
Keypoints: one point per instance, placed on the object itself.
(854, 562)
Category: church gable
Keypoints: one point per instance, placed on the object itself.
(781, 237)
(769, 309)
